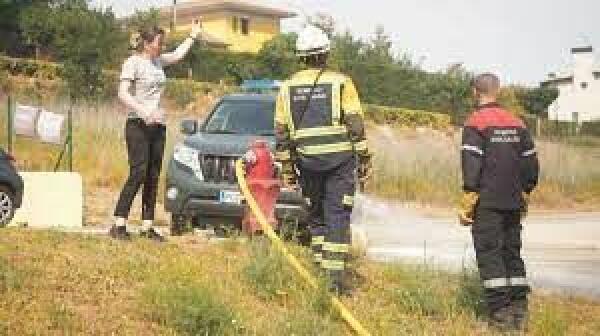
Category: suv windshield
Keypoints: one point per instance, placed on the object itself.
(242, 117)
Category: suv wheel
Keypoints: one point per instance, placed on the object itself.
(7, 205)
(178, 225)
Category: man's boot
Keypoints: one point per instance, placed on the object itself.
(338, 284)
(502, 319)
(520, 310)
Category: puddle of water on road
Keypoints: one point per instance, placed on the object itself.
(396, 232)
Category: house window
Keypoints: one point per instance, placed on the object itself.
(235, 24)
(584, 85)
(245, 25)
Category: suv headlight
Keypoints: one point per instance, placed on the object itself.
(188, 157)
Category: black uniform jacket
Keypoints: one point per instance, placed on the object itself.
(499, 159)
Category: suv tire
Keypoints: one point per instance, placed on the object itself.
(7, 205)
(178, 225)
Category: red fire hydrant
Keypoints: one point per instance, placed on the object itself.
(263, 184)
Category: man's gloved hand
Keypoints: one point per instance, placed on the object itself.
(525, 205)
(466, 208)
(365, 167)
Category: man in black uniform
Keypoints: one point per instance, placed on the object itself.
(500, 169)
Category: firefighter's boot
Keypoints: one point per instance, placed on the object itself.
(502, 319)
(520, 310)
(338, 284)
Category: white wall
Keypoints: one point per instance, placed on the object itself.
(575, 98)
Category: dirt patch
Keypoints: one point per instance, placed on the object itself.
(99, 205)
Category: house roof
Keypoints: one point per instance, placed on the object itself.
(565, 74)
(198, 7)
(212, 40)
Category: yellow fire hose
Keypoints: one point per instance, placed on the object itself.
(309, 278)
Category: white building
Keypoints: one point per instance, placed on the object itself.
(579, 87)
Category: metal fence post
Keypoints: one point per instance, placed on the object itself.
(70, 137)
(9, 123)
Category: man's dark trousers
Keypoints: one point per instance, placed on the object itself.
(331, 194)
(497, 241)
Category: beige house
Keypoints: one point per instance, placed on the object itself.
(579, 87)
(237, 25)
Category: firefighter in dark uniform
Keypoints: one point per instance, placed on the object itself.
(500, 169)
(321, 137)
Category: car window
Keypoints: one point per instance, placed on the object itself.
(242, 117)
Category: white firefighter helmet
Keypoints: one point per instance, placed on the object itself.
(312, 41)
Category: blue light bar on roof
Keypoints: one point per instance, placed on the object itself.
(258, 85)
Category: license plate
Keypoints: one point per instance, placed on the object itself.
(230, 197)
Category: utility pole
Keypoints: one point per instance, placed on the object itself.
(174, 16)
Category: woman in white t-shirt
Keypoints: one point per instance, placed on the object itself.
(142, 84)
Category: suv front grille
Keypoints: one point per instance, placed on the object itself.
(218, 168)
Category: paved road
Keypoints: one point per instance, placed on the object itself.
(561, 251)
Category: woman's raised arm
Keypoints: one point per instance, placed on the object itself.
(182, 50)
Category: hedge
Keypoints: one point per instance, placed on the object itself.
(30, 68)
(46, 76)
(407, 117)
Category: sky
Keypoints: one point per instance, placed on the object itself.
(521, 40)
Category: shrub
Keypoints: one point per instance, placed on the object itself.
(10, 279)
(301, 323)
(415, 293)
(191, 309)
(30, 68)
(184, 92)
(548, 322)
(407, 118)
(268, 273)
(470, 293)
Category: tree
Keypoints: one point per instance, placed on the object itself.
(37, 25)
(144, 20)
(536, 100)
(86, 41)
(10, 15)
(324, 21)
(346, 51)
(277, 58)
(379, 50)
(509, 99)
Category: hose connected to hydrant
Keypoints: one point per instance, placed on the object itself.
(305, 274)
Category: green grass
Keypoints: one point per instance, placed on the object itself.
(189, 308)
(10, 278)
(548, 321)
(71, 284)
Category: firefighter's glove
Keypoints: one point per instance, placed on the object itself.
(466, 208)
(365, 167)
(525, 205)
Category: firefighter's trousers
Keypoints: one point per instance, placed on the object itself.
(497, 241)
(331, 195)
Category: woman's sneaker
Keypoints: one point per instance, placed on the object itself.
(153, 235)
(119, 232)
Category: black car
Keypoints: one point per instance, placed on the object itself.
(11, 188)
(201, 183)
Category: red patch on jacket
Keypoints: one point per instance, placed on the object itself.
(493, 117)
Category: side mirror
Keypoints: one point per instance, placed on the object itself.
(189, 127)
